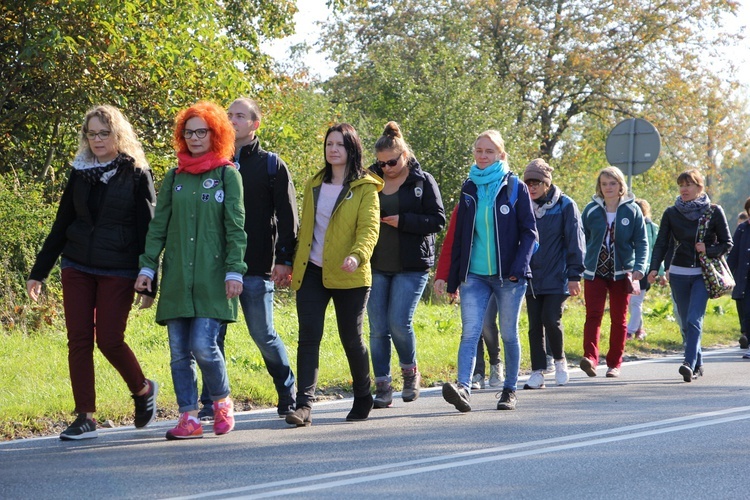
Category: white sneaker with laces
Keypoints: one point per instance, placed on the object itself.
(497, 377)
(536, 380)
(561, 372)
(550, 364)
(477, 381)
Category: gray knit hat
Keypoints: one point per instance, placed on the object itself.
(538, 169)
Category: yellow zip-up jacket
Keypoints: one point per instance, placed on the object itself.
(353, 230)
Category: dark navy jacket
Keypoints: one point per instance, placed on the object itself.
(739, 259)
(515, 233)
(420, 216)
(562, 247)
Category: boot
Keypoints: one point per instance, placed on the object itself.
(360, 409)
(412, 380)
(301, 417)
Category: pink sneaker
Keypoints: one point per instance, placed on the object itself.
(223, 416)
(187, 428)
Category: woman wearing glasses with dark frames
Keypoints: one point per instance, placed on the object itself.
(199, 224)
(100, 230)
(411, 212)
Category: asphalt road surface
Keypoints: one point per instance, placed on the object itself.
(647, 434)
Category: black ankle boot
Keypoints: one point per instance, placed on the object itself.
(360, 409)
(301, 417)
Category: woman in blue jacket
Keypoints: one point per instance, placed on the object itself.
(411, 212)
(495, 237)
(616, 252)
(556, 270)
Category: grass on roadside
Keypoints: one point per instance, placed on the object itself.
(39, 399)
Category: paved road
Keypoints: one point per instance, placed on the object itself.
(644, 435)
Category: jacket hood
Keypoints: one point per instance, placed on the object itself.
(628, 198)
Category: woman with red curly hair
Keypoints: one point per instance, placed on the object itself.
(199, 225)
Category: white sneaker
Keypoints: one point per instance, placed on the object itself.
(550, 364)
(536, 380)
(561, 372)
(477, 381)
(497, 377)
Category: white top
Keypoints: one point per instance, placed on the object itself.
(327, 197)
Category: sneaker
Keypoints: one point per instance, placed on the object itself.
(630, 336)
(412, 381)
(640, 334)
(561, 372)
(550, 364)
(507, 400)
(477, 381)
(686, 372)
(698, 372)
(613, 372)
(223, 416)
(145, 405)
(81, 428)
(284, 407)
(536, 380)
(206, 413)
(458, 396)
(746, 355)
(588, 367)
(744, 344)
(497, 377)
(187, 428)
(383, 395)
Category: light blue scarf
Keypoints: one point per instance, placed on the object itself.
(488, 180)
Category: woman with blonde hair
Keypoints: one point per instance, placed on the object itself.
(100, 229)
(616, 252)
(495, 237)
(199, 224)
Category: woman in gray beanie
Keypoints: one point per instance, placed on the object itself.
(556, 270)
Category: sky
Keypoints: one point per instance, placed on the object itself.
(311, 11)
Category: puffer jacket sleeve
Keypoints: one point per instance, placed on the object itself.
(368, 224)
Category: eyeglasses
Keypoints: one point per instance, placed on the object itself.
(200, 133)
(533, 183)
(102, 134)
(389, 163)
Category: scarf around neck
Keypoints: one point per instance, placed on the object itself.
(549, 201)
(92, 171)
(200, 164)
(693, 209)
(488, 180)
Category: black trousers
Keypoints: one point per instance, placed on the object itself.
(312, 300)
(545, 320)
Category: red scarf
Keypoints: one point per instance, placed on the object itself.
(200, 164)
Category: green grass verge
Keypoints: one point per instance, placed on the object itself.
(39, 400)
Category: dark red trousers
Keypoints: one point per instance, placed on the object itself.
(595, 293)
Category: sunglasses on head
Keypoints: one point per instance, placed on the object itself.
(389, 163)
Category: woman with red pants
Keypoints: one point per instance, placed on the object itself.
(616, 253)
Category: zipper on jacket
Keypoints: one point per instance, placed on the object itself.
(471, 240)
(487, 232)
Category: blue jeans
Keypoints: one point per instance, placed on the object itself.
(691, 297)
(475, 295)
(257, 307)
(193, 340)
(393, 300)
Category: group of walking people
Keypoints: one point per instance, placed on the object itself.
(225, 232)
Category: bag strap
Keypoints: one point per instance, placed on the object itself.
(703, 222)
(272, 167)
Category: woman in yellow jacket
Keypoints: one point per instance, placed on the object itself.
(338, 232)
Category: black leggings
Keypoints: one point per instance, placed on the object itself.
(545, 320)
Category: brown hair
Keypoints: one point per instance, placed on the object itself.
(645, 207)
(692, 176)
(393, 140)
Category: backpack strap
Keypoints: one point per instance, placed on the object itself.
(272, 167)
(514, 189)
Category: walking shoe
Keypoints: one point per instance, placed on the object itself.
(588, 367)
(206, 413)
(477, 381)
(223, 416)
(412, 381)
(550, 364)
(145, 405)
(286, 404)
(383, 395)
(613, 372)
(698, 372)
(561, 371)
(536, 380)
(744, 344)
(187, 428)
(81, 428)
(458, 396)
(507, 400)
(686, 372)
(630, 336)
(746, 355)
(360, 409)
(640, 334)
(300, 417)
(497, 377)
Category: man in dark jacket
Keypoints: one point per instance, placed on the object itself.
(271, 225)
